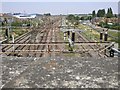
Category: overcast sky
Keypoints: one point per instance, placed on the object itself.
(57, 7)
(60, 0)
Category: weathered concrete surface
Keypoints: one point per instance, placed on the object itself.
(61, 72)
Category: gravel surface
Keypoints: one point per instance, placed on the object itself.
(59, 72)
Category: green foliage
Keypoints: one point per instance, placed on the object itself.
(47, 14)
(93, 14)
(77, 18)
(101, 13)
(114, 26)
(18, 23)
(86, 18)
(89, 17)
(73, 19)
(19, 32)
(102, 24)
(109, 13)
(70, 17)
(82, 18)
(115, 16)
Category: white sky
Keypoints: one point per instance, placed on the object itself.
(57, 6)
(60, 0)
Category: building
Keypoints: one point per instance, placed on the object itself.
(24, 16)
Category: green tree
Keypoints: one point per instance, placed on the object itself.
(101, 13)
(93, 14)
(47, 14)
(82, 18)
(77, 18)
(115, 15)
(70, 17)
(109, 13)
(73, 19)
(89, 17)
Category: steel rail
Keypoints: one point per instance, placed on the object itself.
(41, 51)
(56, 43)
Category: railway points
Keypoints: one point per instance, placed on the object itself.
(56, 54)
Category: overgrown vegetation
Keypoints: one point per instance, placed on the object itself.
(89, 33)
(110, 26)
(86, 17)
(14, 26)
(17, 32)
(16, 23)
(74, 20)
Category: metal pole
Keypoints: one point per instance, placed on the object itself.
(13, 41)
(7, 34)
(101, 36)
(73, 37)
(91, 34)
(105, 39)
(68, 32)
(106, 36)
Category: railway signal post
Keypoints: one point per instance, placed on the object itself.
(7, 34)
(73, 38)
(105, 39)
(106, 35)
(101, 36)
(13, 40)
(68, 32)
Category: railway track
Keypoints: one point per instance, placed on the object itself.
(92, 52)
(21, 39)
(38, 35)
(84, 48)
(37, 38)
(48, 32)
